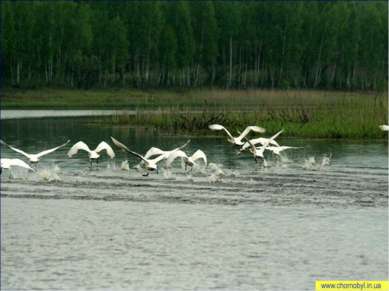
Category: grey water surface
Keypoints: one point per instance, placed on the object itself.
(40, 113)
(233, 225)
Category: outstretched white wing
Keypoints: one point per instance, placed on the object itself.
(250, 128)
(7, 163)
(273, 142)
(138, 155)
(278, 150)
(78, 146)
(104, 146)
(259, 151)
(157, 152)
(260, 140)
(123, 147)
(268, 141)
(184, 145)
(158, 159)
(384, 127)
(274, 137)
(46, 152)
(16, 150)
(119, 144)
(154, 152)
(220, 127)
(174, 155)
(199, 154)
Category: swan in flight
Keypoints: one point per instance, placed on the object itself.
(9, 163)
(258, 152)
(260, 140)
(93, 155)
(150, 165)
(190, 161)
(237, 140)
(152, 152)
(384, 127)
(34, 158)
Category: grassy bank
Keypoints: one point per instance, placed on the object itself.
(305, 113)
(306, 122)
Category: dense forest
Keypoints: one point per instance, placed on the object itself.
(184, 44)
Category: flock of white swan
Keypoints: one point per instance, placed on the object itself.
(149, 162)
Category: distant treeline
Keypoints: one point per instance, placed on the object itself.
(185, 44)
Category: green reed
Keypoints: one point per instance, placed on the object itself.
(302, 113)
(341, 120)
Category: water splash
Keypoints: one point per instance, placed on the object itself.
(124, 166)
(326, 161)
(217, 174)
(309, 163)
(167, 174)
(312, 164)
(50, 175)
(284, 161)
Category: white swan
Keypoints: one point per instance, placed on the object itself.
(258, 152)
(9, 163)
(34, 158)
(94, 155)
(237, 140)
(384, 127)
(260, 140)
(149, 165)
(157, 152)
(189, 160)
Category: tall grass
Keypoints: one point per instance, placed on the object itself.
(303, 113)
(345, 119)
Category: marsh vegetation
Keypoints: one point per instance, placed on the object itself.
(303, 113)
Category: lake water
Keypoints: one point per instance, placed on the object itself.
(233, 225)
(18, 114)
